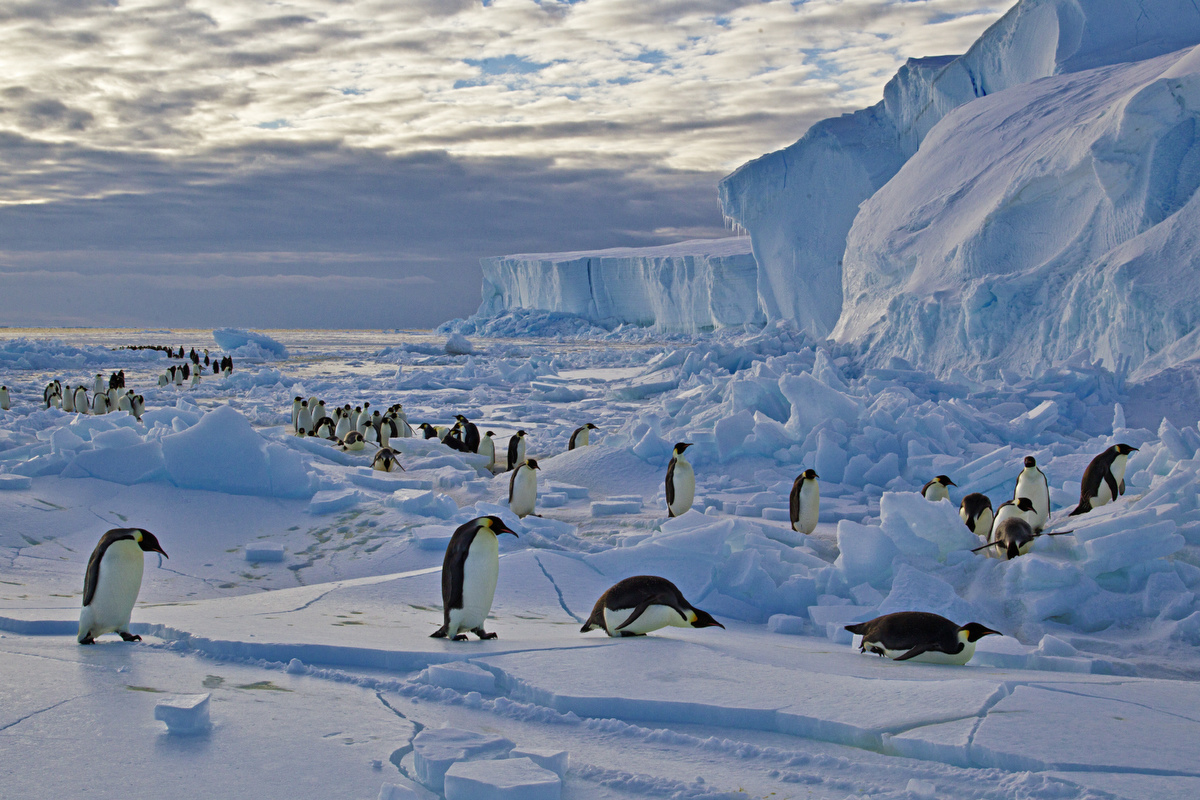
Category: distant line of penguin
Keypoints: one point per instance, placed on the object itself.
(106, 397)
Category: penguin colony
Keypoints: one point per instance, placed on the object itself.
(632, 607)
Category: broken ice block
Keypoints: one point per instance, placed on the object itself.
(185, 715)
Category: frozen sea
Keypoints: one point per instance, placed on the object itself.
(286, 648)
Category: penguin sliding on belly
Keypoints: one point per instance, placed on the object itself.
(804, 503)
(469, 573)
(681, 482)
(386, 460)
(1104, 479)
(644, 603)
(112, 582)
(920, 636)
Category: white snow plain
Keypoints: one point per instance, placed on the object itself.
(286, 639)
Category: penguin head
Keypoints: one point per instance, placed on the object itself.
(521, 434)
(148, 542)
(702, 619)
(531, 463)
(810, 475)
(496, 525)
(973, 632)
(944, 480)
(1124, 449)
(1030, 462)
(680, 447)
(490, 434)
(460, 418)
(591, 427)
(1025, 504)
(304, 404)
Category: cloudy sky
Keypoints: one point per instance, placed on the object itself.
(345, 163)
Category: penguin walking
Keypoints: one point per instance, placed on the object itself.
(516, 450)
(386, 460)
(804, 502)
(920, 636)
(522, 488)
(469, 573)
(1104, 479)
(1032, 483)
(938, 488)
(681, 481)
(579, 438)
(976, 512)
(5, 400)
(487, 447)
(470, 434)
(112, 582)
(644, 603)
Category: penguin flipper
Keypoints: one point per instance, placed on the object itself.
(1121, 486)
(671, 487)
(1113, 490)
(661, 599)
(916, 651)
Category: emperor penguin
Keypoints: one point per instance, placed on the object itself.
(177, 372)
(804, 503)
(404, 430)
(323, 428)
(68, 399)
(976, 512)
(163, 380)
(1104, 479)
(469, 573)
(387, 430)
(353, 441)
(644, 603)
(304, 419)
(938, 488)
(5, 400)
(681, 482)
(1021, 509)
(112, 582)
(516, 450)
(522, 488)
(1012, 535)
(100, 403)
(125, 402)
(470, 434)
(99, 384)
(920, 636)
(428, 430)
(139, 406)
(386, 460)
(579, 438)
(354, 417)
(196, 378)
(487, 447)
(343, 424)
(113, 395)
(1032, 483)
(81, 401)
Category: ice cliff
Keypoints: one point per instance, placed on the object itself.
(689, 286)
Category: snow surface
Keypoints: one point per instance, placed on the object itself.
(301, 587)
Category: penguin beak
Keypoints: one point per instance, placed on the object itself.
(502, 528)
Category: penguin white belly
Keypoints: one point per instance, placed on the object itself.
(684, 479)
(520, 453)
(810, 507)
(937, 492)
(934, 656)
(524, 496)
(488, 448)
(652, 619)
(1031, 485)
(480, 571)
(582, 439)
(117, 588)
(343, 427)
(68, 401)
(983, 525)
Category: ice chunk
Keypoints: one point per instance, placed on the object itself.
(459, 345)
(557, 761)
(460, 676)
(607, 508)
(390, 791)
(786, 623)
(433, 537)
(865, 553)
(185, 715)
(435, 750)
(248, 344)
(11, 482)
(334, 500)
(264, 552)
(814, 402)
(571, 491)
(508, 779)
(913, 590)
(423, 504)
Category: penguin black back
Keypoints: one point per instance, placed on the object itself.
(915, 632)
(973, 505)
(639, 593)
(1100, 470)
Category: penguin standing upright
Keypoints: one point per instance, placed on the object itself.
(81, 401)
(920, 636)
(579, 438)
(516, 450)
(98, 384)
(938, 488)
(68, 399)
(681, 481)
(470, 434)
(100, 403)
(644, 603)
(296, 412)
(487, 447)
(804, 503)
(112, 582)
(1104, 479)
(1032, 483)
(343, 424)
(976, 512)
(469, 573)
(522, 488)
(5, 401)
(304, 420)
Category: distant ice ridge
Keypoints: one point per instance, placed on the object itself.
(53, 354)
(248, 344)
(799, 204)
(690, 286)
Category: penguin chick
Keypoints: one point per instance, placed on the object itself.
(644, 603)
(920, 636)
(579, 438)
(938, 488)
(112, 582)
(681, 481)
(469, 572)
(522, 488)
(1104, 479)
(804, 502)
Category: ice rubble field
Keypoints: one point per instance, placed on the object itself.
(287, 650)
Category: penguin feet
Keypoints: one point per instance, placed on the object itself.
(462, 637)
(129, 637)
(440, 633)
(87, 640)
(482, 634)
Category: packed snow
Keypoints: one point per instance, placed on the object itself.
(300, 578)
